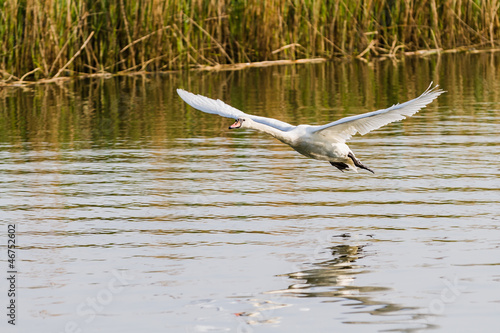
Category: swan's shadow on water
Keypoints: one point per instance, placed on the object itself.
(335, 280)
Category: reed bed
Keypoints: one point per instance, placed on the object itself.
(53, 38)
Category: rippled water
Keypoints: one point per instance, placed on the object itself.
(135, 212)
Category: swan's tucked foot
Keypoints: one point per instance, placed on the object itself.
(340, 165)
(358, 162)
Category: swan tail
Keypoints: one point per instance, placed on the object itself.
(358, 162)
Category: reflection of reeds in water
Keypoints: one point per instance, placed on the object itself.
(138, 109)
(41, 38)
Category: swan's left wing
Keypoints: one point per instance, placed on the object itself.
(342, 129)
(209, 105)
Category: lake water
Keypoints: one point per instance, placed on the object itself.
(135, 212)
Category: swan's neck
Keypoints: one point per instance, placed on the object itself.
(278, 134)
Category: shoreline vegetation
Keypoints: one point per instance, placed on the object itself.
(47, 41)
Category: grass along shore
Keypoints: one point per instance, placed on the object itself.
(46, 40)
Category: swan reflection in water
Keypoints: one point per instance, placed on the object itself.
(335, 280)
(333, 277)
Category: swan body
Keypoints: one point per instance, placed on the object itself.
(323, 142)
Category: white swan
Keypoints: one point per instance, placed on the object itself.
(325, 142)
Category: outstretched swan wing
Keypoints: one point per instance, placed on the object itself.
(342, 129)
(209, 105)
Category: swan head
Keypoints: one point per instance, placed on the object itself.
(241, 123)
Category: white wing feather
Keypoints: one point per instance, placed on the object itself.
(209, 105)
(342, 129)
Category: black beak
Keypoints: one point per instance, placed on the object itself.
(237, 124)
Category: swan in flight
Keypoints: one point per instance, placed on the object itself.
(321, 142)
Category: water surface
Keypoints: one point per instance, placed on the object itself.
(136, 212)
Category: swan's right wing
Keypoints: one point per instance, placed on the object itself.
(342, 130)
(209, 105)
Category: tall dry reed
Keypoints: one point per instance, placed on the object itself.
(43, 39)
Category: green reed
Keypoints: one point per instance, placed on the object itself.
(50, 38)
